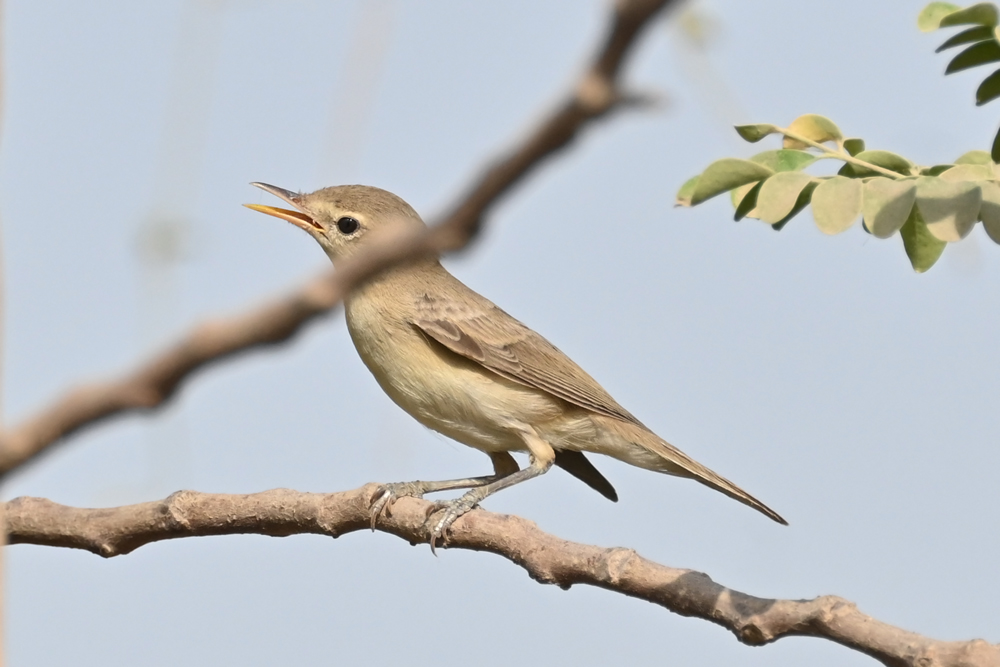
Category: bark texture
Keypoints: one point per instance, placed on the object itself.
(546, 558)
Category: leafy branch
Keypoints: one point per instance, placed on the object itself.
(983, 48)
(929, 206)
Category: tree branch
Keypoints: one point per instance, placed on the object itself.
(547, 559)
(155, 381)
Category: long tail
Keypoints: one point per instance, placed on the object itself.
(673, 461)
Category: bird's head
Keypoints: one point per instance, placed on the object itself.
(341, 218)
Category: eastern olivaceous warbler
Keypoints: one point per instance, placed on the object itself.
(461, 366)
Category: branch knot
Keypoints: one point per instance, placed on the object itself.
(174, 508)
(617, 562)
(752, 634)
(596, 94)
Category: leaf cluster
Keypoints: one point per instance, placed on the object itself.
(981, 41)
(928, 206)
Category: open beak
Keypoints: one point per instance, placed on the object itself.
(299, 217)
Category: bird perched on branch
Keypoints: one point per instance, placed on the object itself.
(461, 366)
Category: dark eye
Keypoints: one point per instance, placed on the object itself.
(348, 225)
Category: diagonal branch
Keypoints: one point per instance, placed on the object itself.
(547, 559)
(596, 93)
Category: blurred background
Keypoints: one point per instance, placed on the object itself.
(821, 374)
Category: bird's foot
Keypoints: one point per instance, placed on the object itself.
(387, 494)
(452, 510)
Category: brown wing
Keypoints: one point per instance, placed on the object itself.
(478, 330)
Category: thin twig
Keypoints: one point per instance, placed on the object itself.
(597, 92)
(547, 559)
(841, 155)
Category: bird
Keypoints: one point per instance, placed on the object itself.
(463, 367)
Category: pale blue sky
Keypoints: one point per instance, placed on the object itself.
(821, 374)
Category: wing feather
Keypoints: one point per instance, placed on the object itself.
(487, 335)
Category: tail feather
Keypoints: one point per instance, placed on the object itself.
(700, 473)
(576, 464)
(673, 461)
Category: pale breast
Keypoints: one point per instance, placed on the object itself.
(440, 389)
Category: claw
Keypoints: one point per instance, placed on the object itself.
(435, 532)
(387, 494)
(452, 510)
(438, 534)
(434, 507)
(379, 502)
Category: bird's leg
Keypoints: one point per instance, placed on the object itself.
(542, 457)
(503, 465)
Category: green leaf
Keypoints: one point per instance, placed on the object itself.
(930, 16)
(836, 204)
(815, 128)
(975, 157)
(726, 174)
(854, 146)
(935, 170)
(748, 202)
(886, 204)
(989, 211)
(922, 248)
(784, 159)
(983, 13)
(778, 195)
(684, 194)
(884, 159)
(989, 89)
(995, 149)
(977, 34)
(736, 194)
(754, 133)
(968, 172)
(975, 55)
(948, 208)
(800, 204)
